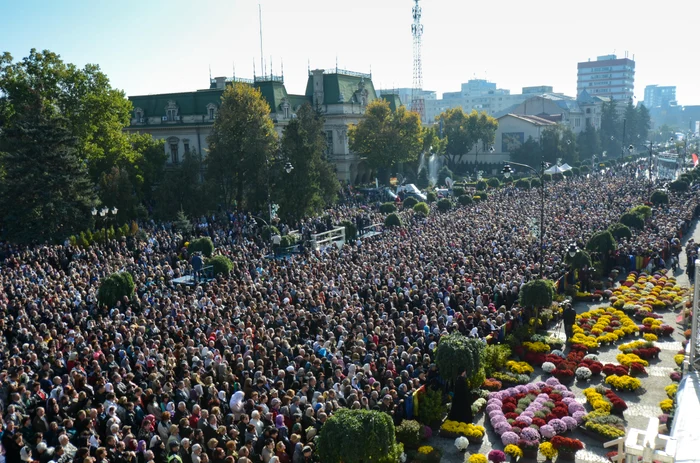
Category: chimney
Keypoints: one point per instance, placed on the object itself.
(318, 86)
(220, 82)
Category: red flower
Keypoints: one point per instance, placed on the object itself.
(566, 443)
(520, 424)
(539, 422)
(511, 415)
(550, 417)
(560, 412)
(547, 390)
(507, 408)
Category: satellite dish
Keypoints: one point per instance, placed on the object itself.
(449, 182)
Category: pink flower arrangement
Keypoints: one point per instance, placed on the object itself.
(497, 456)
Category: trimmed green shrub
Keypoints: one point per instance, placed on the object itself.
(422, 208)
(484, 195)
(465, 200)
(679, 186)
(409, 433)
(431, 197)
(203, 245)
(632, 220)
(568, 173)
(585, 169)
(114, 287)
(547, 177)
(602, 242)
(222, 265)
(268, 232)
(481, 185)
(493, 182)
(444, 205)
(431, 409)
(350, 230)
(619, 231)
(392, 220)
(387, 208)
(535, 183)
(576, 171)
(287, 241)
(409, 202)
(356, 436)
(558, 176)
(494, 358)
(523, 183)
(458, 191)
(642, 211)
(659, 197)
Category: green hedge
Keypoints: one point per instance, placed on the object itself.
(444, 205)
(387, 208)
(493, 182)
(392, 220)
(114, 287)
(659, 197)
(409, 202)
(203, 245)
(222, 265)
(465, 200)
(458, 191)
(422, 208)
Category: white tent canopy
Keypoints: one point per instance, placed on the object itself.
(565, 167)
(556, 170)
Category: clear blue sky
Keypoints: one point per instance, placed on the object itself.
(155, 46)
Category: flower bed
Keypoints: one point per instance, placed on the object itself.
(533, 411)
(601, 326)
(454, 429)
(641, 291)
(623, 383)
(599, 422)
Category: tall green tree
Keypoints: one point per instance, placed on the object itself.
(313, 184)
(148, 167)
(610, 129)
(241, 145)
(460, 139)
(118, 191)
(45, 193)
(483, 130)
(387, 138)
(558, 142)
(588, 142)
(182, 189)
(94, 112)
(530, 153)
(631, 125)
(643, 123)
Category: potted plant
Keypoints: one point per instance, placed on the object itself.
(428, 454)
(529, 448)
(496, 456)
(514, 452)
(548, 451)
(566, 447)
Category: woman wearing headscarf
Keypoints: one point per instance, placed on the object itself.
(147, 428)
(283, 431)
(298, 453)
(236, 404)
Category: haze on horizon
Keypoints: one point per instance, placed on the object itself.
(168, 46)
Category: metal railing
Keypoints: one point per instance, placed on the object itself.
(345, 72)
(234, 79)
(269, 78)
(335, 236)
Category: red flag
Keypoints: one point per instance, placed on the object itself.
(695, 159)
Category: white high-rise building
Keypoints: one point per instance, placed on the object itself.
(608, 77)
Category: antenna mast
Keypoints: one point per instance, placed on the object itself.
(262, 62)
(417, 103)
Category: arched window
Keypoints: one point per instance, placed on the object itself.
(174, 145)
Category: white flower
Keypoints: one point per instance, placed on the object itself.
(461, 443)
(548, 367)
(403, 458)
(583, 373)
(591, 357)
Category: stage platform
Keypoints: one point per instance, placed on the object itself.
(188, 280)
(685, 424)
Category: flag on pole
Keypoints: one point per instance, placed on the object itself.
(695, 159)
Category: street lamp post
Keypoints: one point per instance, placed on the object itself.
(288, 167)
(507, 171)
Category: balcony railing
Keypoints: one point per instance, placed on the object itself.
(269, 78)
(345, 72)
(233, 79)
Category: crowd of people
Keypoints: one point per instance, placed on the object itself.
(249, 368)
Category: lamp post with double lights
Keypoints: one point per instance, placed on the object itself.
(104, 213)
(507, 171)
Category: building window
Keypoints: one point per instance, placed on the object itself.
(577, 122)
(174, 155)
(172, 114)
(139, 115)
(186, 145)
(329, 142)
(211, 114)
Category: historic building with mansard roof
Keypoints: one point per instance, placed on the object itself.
(184, 120)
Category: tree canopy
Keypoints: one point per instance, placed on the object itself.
(385, 137)
(537, 294)
(456, 354)
(358, 436)
(465, 132)
(45, 191)
(242, 143)
(313, 184)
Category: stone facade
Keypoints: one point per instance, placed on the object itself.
(184, 120)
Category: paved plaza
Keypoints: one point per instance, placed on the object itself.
(642, 404)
